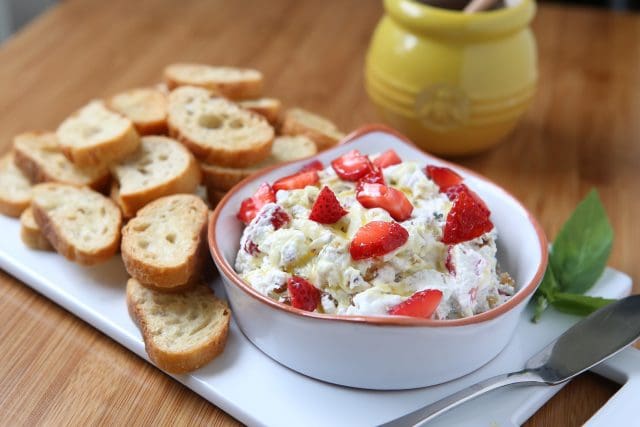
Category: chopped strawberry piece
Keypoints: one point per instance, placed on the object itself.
(250, 207)
(443, 177)
(303, 294)
(377, 238)
(448, 262)
(454, 192)
(388, 198)
(352, 166)
(279, 217)
(373, 177)
(326, 209)
(386, 159)
(421, 304)
(251, 248)
(467, 219)
(296, 181)
(314, 165)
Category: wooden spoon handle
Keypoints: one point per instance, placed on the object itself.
(478, 5)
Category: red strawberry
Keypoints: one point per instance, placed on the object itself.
(454, 192)
(421, 304)
(279, 217)
(314, 165)
(388, 198)
(448, 262)
(250, 207)
(377, 238)
(444, 177)
(352, 166)
(303, 294)
(296, 181)
(326, 209)
(251, 248)
(467, 219)
(388, 158)
(373, 177)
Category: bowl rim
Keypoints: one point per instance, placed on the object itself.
(227, 270)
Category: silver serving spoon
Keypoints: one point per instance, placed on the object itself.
(586, 344)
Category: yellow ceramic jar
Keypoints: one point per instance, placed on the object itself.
(454, 83)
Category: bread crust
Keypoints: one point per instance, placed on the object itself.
(10, 204)
(249, 87)
(284, 149)
(219, 147)
(152, 124)
(296, 123)
(269, 108)
(51, 231)
(104, 152)
(38, 173)
(166, 278)
(30, 233)
(183, 360)
(185, 182)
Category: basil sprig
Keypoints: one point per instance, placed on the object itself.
(577, 259)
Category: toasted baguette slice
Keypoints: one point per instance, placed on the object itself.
(320, 130)
(285, 149)
(217, 130)
(95, 135)
(15, 188)
(183, 331)
(38, 155)
(145, 107)
(165, 244)
(230, 82)
(161, 166)
(31, 234)
(269, 108)
(81, 224)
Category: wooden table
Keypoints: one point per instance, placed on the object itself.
(582, 131)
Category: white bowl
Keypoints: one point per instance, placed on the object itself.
(384, 353)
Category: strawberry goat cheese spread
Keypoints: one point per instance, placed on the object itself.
(372, 236)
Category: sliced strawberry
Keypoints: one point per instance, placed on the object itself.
(443, 177)
(314, 165)
(454, 192)
(303, 294)
(251, 248)
(326, 209)
(386, 159)
(448, 262)
(352, 166)
(377, 238)
(279, 217)
(388, 198)
(467, 219)
(250, 207)
(421, 304)
(296, 181)
(373, 177)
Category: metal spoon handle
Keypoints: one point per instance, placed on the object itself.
(429, 412)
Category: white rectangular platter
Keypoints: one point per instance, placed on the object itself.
(258, 391)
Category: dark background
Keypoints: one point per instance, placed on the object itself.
(610, 4)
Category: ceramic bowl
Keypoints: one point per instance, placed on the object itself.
(385, 353)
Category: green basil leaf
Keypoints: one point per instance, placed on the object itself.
(549, 284)
(580, 252)
(544, 293)
(580, 305)
(541, 305)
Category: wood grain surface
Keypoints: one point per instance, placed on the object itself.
(581, 132)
